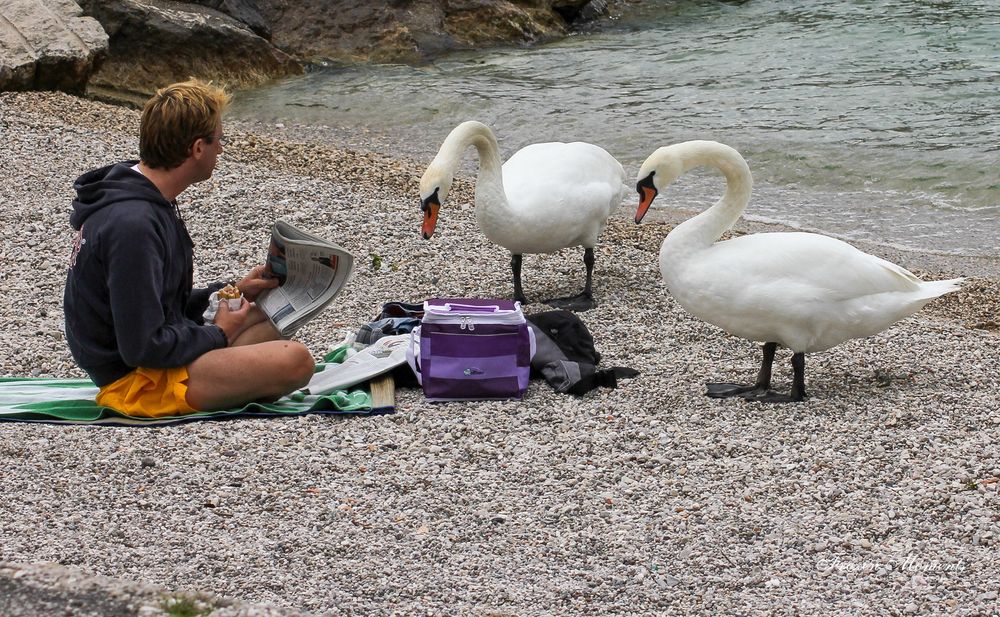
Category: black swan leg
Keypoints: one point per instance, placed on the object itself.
(515, 266)
(588, 261)
(584, 301)
(799, 377)
(763, 384)
(798, 393)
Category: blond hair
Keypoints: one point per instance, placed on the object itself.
(175, 117)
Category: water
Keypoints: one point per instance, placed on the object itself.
(869, 120)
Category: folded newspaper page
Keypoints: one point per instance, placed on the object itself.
(380, 357)
(311, 271)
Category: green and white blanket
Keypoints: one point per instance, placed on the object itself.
(71, 401)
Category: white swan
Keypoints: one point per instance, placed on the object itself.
(546, 197)
(803, 291)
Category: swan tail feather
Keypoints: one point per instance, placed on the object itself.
(933, 289)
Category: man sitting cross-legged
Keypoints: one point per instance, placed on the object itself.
(133, 318)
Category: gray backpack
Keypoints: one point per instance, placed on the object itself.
(565, 355)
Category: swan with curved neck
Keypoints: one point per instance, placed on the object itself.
(546, 197)
(803, 291)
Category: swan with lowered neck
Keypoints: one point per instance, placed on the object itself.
(803, 291)
(546, 197)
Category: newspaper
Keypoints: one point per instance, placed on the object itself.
(310, 272)
(380, 357)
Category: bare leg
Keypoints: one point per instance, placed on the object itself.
(254, 317)
(584, 301)
(235, 376)
(259, 332)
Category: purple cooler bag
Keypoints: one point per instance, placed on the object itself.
(472, 349)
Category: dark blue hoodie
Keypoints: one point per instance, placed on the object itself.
(129, 300)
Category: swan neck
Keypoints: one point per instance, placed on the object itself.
(708, 226)
(489, 154)
(489, 181)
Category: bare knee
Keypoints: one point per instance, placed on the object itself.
(271, 370)
(297, 365)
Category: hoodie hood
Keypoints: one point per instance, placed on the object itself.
(108, 185)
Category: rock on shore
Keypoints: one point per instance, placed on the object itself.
(414, 30)
(154, 44)
(48, 45)
(144, 44)
(878, 495)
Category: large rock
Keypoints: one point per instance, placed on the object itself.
(48, 45)
(243, 43)
(414, 30)
(157, 42)
(245, 11)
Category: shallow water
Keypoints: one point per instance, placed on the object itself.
(872, 120)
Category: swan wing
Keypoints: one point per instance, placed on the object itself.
(824, 268)
(556, 175)
(806, 291)
(558, 195)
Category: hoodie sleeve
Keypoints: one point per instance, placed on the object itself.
(198, 301)
(135, 255)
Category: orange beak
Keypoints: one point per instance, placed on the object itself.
(646, 196)
(430, 208)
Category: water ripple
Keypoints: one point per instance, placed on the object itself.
(880, 111)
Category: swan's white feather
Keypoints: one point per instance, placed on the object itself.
(549, 196)
(806, 291)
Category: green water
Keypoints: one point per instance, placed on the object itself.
(874, 120)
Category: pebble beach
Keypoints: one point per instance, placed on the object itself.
(880, 495)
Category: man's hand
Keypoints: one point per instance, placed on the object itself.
(254, 283)
(232, 322)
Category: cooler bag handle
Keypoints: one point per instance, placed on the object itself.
(472, 308)
(413, 354)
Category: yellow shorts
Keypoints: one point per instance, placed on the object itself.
(148, 393)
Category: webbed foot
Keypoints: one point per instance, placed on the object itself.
(578, 303)
(755, 393)
(728, 390)
(770, 396)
